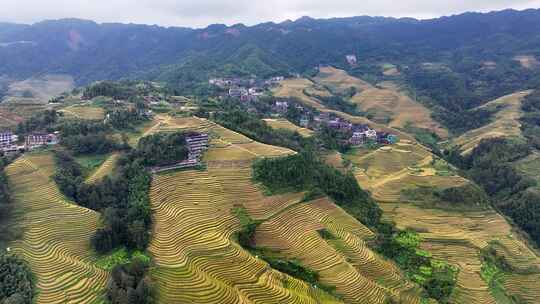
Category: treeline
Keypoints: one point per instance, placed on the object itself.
(338, 103)
(87, 137)
(5, 205)
(124, 90)
(111, 89)
(246, 238)
(17, 285)
(530, 121)
(305, 172)
(41, 121)
(130, 284)
(436, 277)
(454, 87)
(491, 165)
(125, 119)
(122, 200)
(253, 127)
(162, 149)
(94, 137)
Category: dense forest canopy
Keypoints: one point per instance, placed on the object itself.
(492, 165)
(16, 281)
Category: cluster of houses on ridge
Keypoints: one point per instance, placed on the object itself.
(356, 134)
(196, 144)
(246, 90)
(9, 142)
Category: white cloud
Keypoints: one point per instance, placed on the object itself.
(200, 13)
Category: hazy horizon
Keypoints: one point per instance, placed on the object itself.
(206, 12)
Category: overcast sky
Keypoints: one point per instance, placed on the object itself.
(199, 13)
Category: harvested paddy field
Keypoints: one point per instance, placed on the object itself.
(453, 235)
(505, 122)
(56, 234)
(385, 103)
(198, 261)
(84, 112)
(287, 125)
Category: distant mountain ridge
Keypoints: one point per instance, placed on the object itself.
(91, 51)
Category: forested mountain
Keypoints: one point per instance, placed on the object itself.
(91, 51)
(452, 63)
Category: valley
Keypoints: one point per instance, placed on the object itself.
(355, 160)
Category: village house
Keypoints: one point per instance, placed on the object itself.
(196, 144)
(371, 134)
(7, 139)
(281, 106)
(351, 59)
(387, 138)
(304, 122)
(357, 139)
(220, 82)
(322, 118)
(237, 92)
(274, 80)
(35, 140)
(255, 91)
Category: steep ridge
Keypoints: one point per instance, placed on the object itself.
(505, 122)
(384, 101)
(56, 235)
(197, 260)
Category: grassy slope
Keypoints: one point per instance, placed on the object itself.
(455, 236)
(505, 122)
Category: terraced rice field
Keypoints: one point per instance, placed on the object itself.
(386, 101)
(287, 125)
(219, 136)
(360, 275)
(84, 112)
(455, 236)
(104, 170)
(56, 235)
(197, 260)
(296, 88)
(339, 81)
(505, 122)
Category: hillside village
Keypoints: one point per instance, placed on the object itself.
(251, 89)
(245, 89)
